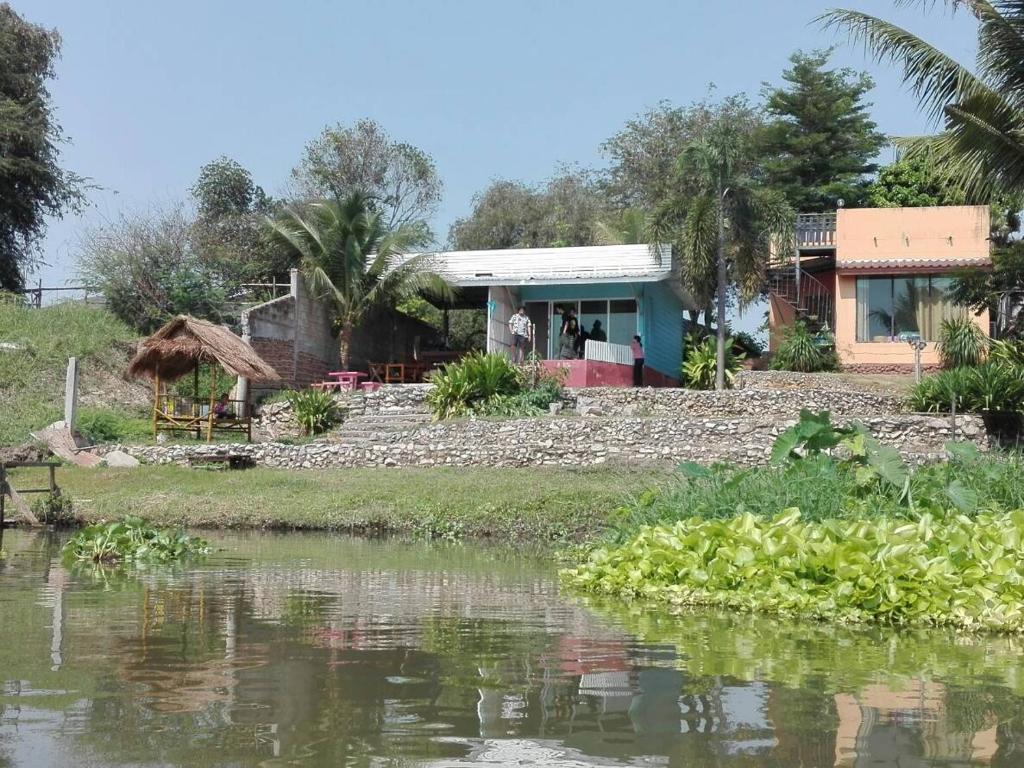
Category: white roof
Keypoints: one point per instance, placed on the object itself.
(540, 266)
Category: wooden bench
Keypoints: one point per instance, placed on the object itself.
(223, 460)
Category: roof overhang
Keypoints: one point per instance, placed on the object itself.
(904, 266)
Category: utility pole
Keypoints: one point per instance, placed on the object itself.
(722, 283)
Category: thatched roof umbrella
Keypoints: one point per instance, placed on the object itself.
(184, 342)
(181, 346)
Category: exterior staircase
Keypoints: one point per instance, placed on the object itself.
(378, 427)
(811, 301)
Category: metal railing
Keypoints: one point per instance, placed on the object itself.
(810, 298)
(606, 352)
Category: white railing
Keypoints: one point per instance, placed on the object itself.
(607, 352)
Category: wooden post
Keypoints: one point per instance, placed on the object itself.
(156, 399)
(213, 392)
(3, 494)
(195, 397)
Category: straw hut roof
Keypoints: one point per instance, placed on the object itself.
(176, 348)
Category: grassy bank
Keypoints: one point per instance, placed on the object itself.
(33, 365)
(543, 504)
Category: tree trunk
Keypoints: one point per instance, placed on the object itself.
(344, 344)
(722, 278)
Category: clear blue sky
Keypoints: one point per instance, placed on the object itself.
(150, 91)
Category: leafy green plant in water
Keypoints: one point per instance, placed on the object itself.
(961, 343)
(55, 509)
(132, 539)
(804, 351)
(315, 410)
(701, 362)
(947, 570)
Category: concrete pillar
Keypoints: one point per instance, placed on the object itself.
(71, 393)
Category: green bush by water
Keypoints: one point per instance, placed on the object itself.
(132, 539)
(949, 570)
(829, 531)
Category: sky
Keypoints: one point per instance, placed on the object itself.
(150, 91)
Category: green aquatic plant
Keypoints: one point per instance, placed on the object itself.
(132, 539)
(949, 570)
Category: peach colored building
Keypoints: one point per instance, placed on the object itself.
(879, 278)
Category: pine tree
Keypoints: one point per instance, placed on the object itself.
(822, 141)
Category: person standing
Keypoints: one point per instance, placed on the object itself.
(519, 325)
(638, 361)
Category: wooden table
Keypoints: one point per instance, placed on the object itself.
(347, 380)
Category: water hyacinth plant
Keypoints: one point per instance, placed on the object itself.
(132, 539)
(954, 570)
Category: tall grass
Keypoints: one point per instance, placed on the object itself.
(32, 372)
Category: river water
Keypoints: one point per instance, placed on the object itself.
(325, 650)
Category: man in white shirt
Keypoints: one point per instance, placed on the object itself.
(519, 325)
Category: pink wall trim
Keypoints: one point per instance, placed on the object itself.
(594, 373)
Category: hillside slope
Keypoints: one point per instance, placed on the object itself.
(35, 345)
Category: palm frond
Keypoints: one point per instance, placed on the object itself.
(933, 77)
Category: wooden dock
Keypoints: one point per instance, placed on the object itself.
(23, 512)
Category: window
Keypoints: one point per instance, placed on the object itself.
(891, 308)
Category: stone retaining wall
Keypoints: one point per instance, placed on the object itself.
(685, 403)
(575, 441)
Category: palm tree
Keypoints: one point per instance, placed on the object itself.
(981, 145)
(351, 261)
(723, 224)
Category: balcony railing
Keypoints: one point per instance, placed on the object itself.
(815, 230)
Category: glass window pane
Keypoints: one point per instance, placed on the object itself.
(874, 308)
(910, 307)
(592, 312)
(942, 306)
(622, 321)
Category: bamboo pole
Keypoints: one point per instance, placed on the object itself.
(156, 400)
(213, 392)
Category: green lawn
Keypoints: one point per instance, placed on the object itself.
(514, 504)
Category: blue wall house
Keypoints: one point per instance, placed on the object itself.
(631, 289)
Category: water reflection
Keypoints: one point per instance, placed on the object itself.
(285, 650)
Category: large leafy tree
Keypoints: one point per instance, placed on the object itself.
(980, 146)
(398, 181)
(722, 223)
(228, 232)
(643, 156)
(149, 269)
(821, 143)
(911, 182)
(32, 183)
(509, 214)
(351, 260)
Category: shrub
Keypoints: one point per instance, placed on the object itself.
(804, 351)
(701, 362)
(929, 571)
(961, 343)
(470, 384)
(132, 539)
(103, 425)
(315, 410)
(55, 509)
(991, 386)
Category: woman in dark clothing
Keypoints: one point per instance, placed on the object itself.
(638, 362)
